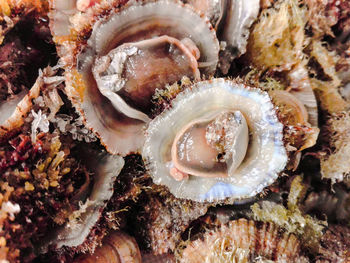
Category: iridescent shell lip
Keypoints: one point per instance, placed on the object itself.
(221, 189)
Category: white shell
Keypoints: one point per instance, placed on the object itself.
(266, 155)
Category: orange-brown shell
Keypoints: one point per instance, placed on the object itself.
(243, 241)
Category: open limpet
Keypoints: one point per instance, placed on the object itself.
(130, 53)
(128, 71)
(221, 139)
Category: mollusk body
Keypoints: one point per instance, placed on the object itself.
(199, 148)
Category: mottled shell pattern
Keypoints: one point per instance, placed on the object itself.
(263, 158)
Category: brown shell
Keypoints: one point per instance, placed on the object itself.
(244, 240)
(118, 247)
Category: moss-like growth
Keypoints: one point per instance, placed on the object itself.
(278, 39)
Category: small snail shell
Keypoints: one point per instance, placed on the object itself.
(117, 247)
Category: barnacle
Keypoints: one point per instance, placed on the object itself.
(277, 39)
(328, 91)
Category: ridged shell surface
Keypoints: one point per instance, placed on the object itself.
(244, 241)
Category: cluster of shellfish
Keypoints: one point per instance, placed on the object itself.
(185, 124)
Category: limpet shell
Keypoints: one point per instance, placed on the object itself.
(265, 157)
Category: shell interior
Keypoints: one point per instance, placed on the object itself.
(213, 146)
(127, 73)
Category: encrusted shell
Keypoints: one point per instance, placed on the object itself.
(134, 22)
(106, 168)
(265, 157)
(244, 241)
